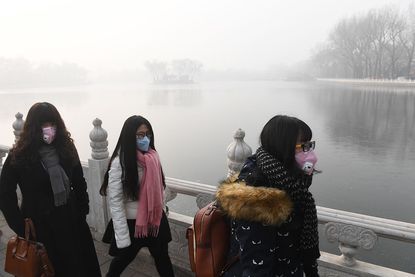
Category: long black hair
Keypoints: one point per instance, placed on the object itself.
(279, 137)
(126, 150)
(27, 147)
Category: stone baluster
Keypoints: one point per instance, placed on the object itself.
(17, 130)
(18, 126)
(350, 238)
(97, 166)
(169, 195)
(202, 199)
(237, 153)
(99, 143)
(2, 155)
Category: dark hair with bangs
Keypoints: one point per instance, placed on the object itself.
(279, 137)
(126, 150)
(305, 133)
(27, 147)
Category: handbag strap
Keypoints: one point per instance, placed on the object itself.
(47, 267)
(229, 264)
(29, 229)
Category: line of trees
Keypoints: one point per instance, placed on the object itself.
(21, 72)
(181, 71)
(378, 44)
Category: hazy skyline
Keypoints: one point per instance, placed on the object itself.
(109, 35)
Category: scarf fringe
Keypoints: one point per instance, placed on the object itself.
(144, 231)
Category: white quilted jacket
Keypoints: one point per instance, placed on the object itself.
(121, 208)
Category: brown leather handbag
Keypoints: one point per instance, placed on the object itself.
(208, 242)
(27, 258)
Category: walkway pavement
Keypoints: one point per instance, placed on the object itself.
(142, 266)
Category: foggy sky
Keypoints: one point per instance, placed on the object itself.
(221, 34)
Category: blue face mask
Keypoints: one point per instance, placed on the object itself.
(143, 144)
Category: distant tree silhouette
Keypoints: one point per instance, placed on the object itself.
(378, 44)
(181, 70)
(21, 72)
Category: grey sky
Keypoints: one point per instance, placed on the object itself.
(123, 34)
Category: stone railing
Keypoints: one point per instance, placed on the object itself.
(350, 231)
(4, 150)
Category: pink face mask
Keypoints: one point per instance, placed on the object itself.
(306, 161)
(49, 134)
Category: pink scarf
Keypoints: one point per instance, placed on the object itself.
(150, 205)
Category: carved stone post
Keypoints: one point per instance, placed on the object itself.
(202, 199)
(237, 151)
(99, 143)
(18, 126)
(350, 238)
(17, 130)
(169, 195)
(98, 216)
(2, 155)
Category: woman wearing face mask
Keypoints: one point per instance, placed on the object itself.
(45, 165)
(274, 219)
(134, 184)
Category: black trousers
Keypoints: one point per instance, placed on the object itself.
(159, 251)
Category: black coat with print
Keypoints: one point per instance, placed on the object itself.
(264, 249)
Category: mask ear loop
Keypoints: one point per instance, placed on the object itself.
(317, 171)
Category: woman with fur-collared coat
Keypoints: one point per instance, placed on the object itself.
(274, 219)
(45, 165)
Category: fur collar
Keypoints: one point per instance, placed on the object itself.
(269, 206)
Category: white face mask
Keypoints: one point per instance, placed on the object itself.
(49, 134)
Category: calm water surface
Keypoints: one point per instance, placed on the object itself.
(365, 139)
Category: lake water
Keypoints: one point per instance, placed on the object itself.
(365, 139)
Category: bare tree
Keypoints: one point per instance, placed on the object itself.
(22, 72)
(157, 69)
(182, 70)
(378, 44)
(186, 69)
(395, 25)
(407, 39)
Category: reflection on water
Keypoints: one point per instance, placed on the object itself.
(368, 151)
(371, 161)
(379, 123)
(180, 97)
(365, 139)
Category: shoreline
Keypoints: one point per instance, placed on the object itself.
(371, 83)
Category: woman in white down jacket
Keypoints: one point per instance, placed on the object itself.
(134, 184)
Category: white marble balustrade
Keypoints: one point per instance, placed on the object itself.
(351, 231)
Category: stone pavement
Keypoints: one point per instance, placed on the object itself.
(142, 266)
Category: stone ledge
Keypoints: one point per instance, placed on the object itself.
(142, 266)
(330, 265)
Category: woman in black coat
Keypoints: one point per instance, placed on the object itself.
(45, 165)
(274, 219)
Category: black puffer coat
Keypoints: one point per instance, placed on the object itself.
(266, 227)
